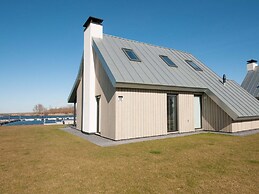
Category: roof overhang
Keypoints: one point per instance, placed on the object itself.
(72, 95)
(247, 118)
(159, 87)
(222, 105)
(104, 64)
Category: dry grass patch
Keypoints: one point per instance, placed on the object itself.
(42, 159)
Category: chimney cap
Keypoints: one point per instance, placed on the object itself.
(252, 61)
(92, 20)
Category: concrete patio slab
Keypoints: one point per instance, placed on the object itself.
(104, 142)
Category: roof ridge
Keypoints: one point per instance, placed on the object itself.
(149, 44)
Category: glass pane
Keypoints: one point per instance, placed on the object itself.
(131, 55)
(193, 65)
(168, 61)
(171, 113)
(98, 113)
(197, 112)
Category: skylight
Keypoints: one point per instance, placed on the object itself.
(168, 61)
(131, 54)
(193, 65)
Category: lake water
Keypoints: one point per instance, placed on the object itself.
(37, 120)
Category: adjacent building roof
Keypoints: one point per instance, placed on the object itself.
(152, 72)
(251, 82)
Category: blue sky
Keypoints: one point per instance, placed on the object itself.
(41, 42)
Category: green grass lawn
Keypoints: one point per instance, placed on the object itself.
(43, 159)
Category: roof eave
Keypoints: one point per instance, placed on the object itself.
(222, 105)
(159, 87)
(72, 95)
(104, 64)
(247, 118)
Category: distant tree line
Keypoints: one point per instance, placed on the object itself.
(41, 110)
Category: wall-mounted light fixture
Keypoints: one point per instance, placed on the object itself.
(120, 98)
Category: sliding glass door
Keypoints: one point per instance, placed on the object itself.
(171, 113)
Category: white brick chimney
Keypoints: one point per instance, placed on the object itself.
(251, 65)
(93, 29)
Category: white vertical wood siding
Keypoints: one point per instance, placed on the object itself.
(140, 113)
(79, 106)
(245, 125)
(104, 88)
(185, 112)
(213, 117)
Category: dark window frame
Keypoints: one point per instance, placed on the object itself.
(193, 65)
(98, 98)
(125, 50)
(170, 65)
(176, 96)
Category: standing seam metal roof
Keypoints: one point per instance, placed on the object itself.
(154, 71)
(251, 82)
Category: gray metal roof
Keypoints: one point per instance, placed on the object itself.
(152, 70)
(251, 82)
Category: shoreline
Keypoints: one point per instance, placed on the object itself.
(34, 114)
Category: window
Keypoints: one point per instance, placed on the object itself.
(193, 65)
(167, 61)
(171, 113)
(197, 112)
(131, 54)
(98, 113)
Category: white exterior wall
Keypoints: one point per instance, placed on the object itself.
(251, 66)
(185, 112)
(213, 117)
(245, 125)
(89, 102)
(143, 113)
(104, 89)
(140, 113)
(79, 106)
